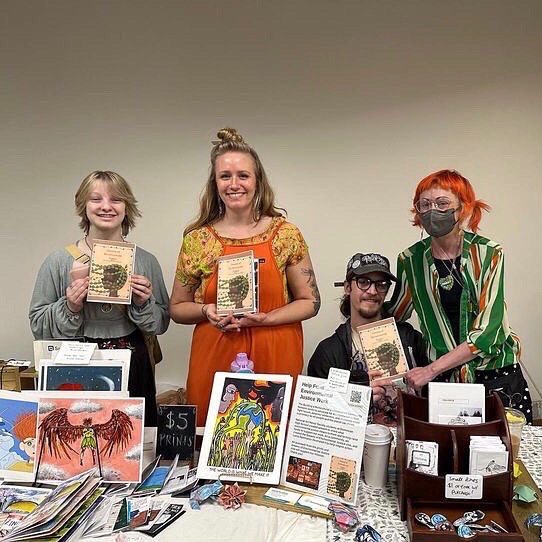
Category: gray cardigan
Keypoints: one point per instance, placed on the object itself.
(50, 318)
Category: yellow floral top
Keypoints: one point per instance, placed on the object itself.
(201, 249)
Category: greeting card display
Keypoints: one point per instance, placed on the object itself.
(111, 269)
(237, 288)
(78, 432)
(245, 428)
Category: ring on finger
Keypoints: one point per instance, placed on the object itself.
(219, 325)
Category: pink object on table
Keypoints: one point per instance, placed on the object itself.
(241, 364)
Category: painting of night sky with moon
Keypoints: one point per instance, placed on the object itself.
(92, 377)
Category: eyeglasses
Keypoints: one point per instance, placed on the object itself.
(442, 204)
(365, 284)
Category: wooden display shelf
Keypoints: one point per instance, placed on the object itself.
(419, 492)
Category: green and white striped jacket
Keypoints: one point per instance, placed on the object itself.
(483, 321)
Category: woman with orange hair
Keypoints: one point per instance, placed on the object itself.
(454, 280)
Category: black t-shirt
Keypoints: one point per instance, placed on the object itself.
(451, 299)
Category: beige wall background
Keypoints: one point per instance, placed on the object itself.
(348, 103)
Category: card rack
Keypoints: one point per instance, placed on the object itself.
(419, 492)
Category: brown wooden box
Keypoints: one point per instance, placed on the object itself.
(10, 379)
(420, 492)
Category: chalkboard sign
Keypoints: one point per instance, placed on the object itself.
(176, 431)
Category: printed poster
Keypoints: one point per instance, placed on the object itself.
(326, 434)
(98, 376)
(18, 428)
(78, 432)
(236, 288)
(246, 426)
(111, 269)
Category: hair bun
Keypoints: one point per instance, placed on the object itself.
(229, 134)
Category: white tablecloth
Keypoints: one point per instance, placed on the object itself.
(378, 507)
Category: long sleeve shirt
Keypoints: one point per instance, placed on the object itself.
(50, 317)
(483, 322)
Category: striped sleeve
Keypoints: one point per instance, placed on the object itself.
(490, 328)
(400, 305)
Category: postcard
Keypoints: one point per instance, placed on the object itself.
(245, 428)
(422, 456)
(79, 432)
(383, 349)
(236, 288)
(326, 434)
(18, 431)
(98, 376)
(456, 403)
(111, 269)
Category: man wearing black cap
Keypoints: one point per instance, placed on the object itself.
(368, 279)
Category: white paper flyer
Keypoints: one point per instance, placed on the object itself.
(324, 445)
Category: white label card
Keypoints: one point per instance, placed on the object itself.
(337, 379)
(75, 352)
(464, 486)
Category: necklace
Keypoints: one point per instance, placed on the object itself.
(86, 243)
(454, 275)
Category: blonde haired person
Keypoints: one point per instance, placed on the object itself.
(108, 210)
(238, 213)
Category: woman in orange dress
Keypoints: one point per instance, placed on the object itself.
(238, 213)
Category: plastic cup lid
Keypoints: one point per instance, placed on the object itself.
(378, 434)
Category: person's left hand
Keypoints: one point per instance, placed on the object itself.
(141, 290)
(419, 377)
(252, 319)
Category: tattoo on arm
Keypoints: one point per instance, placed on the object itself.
(311, 281)
(190, 287)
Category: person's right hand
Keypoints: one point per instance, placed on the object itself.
(76, 294)
(377, 388)
(222, 323)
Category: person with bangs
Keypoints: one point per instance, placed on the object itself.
(454, 280)
(108, 210)
(238, 213)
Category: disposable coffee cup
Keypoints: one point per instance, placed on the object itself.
(376, 454)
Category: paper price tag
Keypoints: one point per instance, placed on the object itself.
(464, 486)
(338, 379)
(75, 352)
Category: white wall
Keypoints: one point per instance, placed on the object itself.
(348, 103)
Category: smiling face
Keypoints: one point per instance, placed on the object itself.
(105, 210)
(236, 183)
(368, 303)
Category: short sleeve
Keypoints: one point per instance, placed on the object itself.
(188, 270)
(289, 245)
(197, 260)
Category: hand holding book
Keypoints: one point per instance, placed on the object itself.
(141, 289)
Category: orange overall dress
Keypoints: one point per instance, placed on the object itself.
(273, 349)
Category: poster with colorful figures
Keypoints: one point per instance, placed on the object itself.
(246, 426)
(18, 427)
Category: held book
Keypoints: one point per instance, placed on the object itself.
(383, 349)
(237, 284)
(111, 269)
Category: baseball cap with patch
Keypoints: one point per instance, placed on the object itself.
(361, 264)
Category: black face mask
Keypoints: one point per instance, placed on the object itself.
(438, 223)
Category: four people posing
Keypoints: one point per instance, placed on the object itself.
(453, 280)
